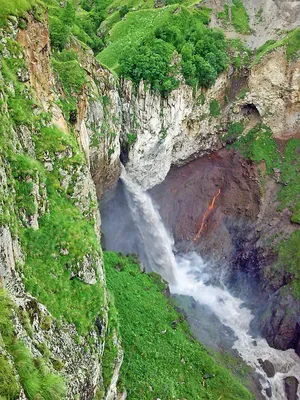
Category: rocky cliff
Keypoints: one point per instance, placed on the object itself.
(58, 155)
(52, 282)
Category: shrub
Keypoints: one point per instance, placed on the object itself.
(151, 62)
(214, 108)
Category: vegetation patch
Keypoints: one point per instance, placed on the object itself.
(237, 15)
(258, 145)
(289, 195)
(35, 378)
(72, 77)
(111, 346)
(214, 108)
(162, 360)
(25, 170)
(9, 387)
(239, 53)
(155, 45)
(289, 261)
(291, 41)
(14, 7)
(49, 263)
(240, 18)
(235, 130)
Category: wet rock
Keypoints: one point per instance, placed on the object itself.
(279, 321)
(238, 200)
(268, 367)
(268, 392)
(291, 387)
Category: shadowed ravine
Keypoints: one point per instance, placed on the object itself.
(187, 274)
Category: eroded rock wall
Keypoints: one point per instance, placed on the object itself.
(175, 130)
(59, 172)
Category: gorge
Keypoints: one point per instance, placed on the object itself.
(187, 139)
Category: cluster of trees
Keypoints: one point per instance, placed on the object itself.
(64, 20)
(151, 62)
(202, 54)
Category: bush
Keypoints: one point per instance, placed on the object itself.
(60, 25)
(214, 108)
(151, 62)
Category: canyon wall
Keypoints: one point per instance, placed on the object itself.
(63, 166)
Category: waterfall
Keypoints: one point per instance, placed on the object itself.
(157, 242)
(188, 275)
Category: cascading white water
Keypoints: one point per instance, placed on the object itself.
(187, 275)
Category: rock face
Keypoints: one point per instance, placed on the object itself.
(268, 81)
(187, 192)
(167, 131)
(267, 19)
(63, 349)
(291, 387)
(151, 134)
(175, 130)
(245, 221)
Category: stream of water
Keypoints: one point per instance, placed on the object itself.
(188, 275)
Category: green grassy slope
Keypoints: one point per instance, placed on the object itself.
(162, 360)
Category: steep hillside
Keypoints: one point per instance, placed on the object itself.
(84, 86)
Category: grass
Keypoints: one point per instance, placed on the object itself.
(20, 103)
(289, 261)
(72, 77)
(25, 171)
(54, 253)
(9, 387)
(291, 41)
(214, 108)
(48, 269)
(35, 378)
(129, 33)
(224, 15)
(235, 129)
(289, 194)
(14, 7)
(258, 145)
(162, 360)
(240, 18)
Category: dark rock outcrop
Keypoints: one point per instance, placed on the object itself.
(268, 367)
(291, 386)
(186, 194)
